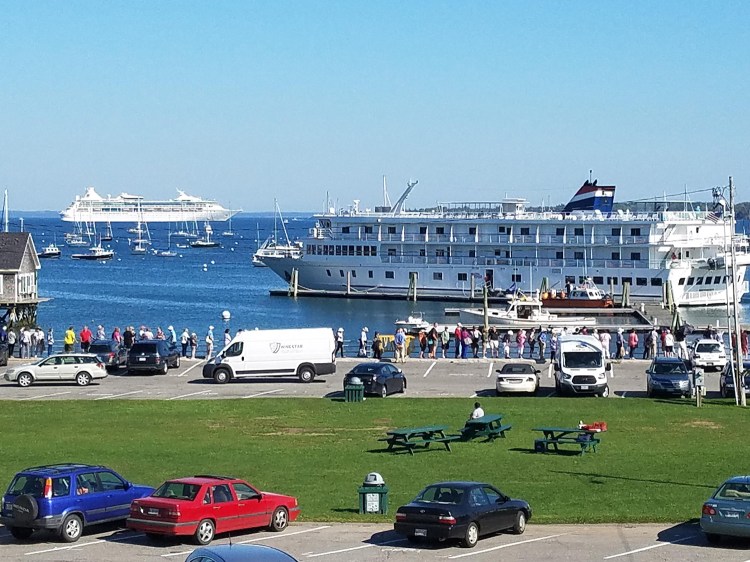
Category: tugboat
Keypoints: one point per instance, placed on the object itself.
(50, 251)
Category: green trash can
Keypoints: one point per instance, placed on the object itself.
(354, 393)
(373, 495)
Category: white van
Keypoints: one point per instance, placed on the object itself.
(581, 367)
(305, 353)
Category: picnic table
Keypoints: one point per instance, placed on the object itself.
(555, 436)
(489, 426)
(411, 437)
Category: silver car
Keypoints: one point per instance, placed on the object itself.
(239, 553)
(79, 367)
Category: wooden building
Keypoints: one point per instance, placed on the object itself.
(19, 279)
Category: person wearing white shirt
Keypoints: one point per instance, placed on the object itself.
(477, 412)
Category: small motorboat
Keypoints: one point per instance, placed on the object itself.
(50, 251)
(413, 323)
(95, 253)
(586, 295)
(522, 313)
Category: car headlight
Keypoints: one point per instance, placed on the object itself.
(601, 376)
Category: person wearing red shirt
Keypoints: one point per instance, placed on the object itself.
(85, 337)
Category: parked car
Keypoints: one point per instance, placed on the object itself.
(668, 375)
(202, 506)
(708, 354)
(79, 367)
(152, 356)
(726, 512)
(111, 353)
(66, 498)
(517, 377)
(379, 378)
(726, 382)
(239, 553)
(581, 367)
(460, 510)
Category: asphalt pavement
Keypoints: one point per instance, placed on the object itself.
(426, 378)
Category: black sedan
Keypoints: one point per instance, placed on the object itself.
(726, 382)
(460, 510)
(111, 353)
(379, 378)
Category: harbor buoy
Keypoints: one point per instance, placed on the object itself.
(226, 315)
(213, 262)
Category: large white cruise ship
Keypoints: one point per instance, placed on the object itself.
(457, 247)
(92, 207)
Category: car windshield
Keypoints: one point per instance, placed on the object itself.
(734, 491)
(582, 359)
(441, 494)
(669, 369)
(708, 348)
(177, 490)
(143, 348)
(517, 369)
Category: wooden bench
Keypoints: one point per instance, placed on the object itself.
(542, 445)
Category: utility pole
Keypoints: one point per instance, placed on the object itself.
(737, 371)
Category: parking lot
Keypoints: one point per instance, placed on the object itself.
(426, 378)
(375, 542)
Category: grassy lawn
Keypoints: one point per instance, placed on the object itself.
(658, 461)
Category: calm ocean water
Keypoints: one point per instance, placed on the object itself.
(193, 289)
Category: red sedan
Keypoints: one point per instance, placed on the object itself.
(202, 506)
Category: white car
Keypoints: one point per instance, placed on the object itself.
(517, 377)
(79, 367)
(708, 354)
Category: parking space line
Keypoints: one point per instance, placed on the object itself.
(262, 393)
(186, 371)
(427, 372)
(257, 539)
(117, 395)
(645, 548)
(44, 396)
(489, 371)
(186, 395)
(370, 545)
(71, 547)
(475, 552)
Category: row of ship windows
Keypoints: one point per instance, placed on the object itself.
(708, 280)
(522, 231)
(352, 250)
(338, 250)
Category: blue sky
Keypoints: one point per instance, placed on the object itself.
(247, 101)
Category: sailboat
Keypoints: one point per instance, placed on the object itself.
(229, 232)
(169, 252)
(205, 241)
(107, 236)
(143, 237)
(272, 248)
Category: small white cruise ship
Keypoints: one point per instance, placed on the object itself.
(456, 248)
(92, 208)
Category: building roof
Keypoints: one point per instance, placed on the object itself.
(12, 249)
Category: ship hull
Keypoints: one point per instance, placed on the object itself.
(132, 215)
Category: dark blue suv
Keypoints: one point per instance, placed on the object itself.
(66, 498)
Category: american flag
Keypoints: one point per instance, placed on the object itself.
(713, 217)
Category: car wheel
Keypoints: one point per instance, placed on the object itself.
(221, 376)
(649, 393)
(25, 379)
(177, 363)
(403, 386)
(71, 529)
(498, 393)
(83, 379)
(306, 374)
(164, 368)
(21, 533)
(713, 538)
(204, 534)
(520, 525)
(472, 536)
(383, 391)
(279, 519)
(604, 393)
(25, 509)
